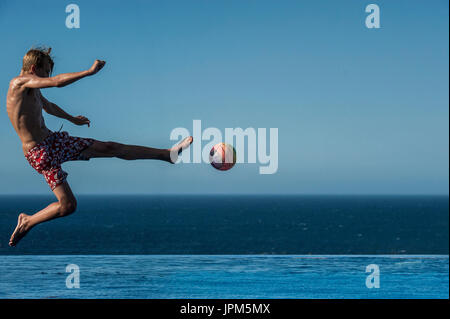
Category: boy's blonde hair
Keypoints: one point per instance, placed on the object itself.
(37, 56)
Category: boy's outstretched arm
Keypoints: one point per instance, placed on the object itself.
(60, 80)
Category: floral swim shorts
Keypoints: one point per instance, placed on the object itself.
(47, 156)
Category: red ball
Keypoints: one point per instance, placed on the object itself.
(222, 156)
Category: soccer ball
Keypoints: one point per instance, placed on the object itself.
(222, 156)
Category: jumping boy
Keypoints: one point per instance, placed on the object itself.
(46, 150)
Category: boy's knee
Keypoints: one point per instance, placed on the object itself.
(67, 207)
(108, 148)
(111, 147)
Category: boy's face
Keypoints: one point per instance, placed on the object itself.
(44, 71)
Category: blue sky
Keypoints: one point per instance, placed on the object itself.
(359, 111)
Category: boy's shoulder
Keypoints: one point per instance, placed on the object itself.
(18, 81)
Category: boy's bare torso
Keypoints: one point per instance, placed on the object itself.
(24, 107)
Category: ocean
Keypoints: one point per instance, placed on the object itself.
(220, 246)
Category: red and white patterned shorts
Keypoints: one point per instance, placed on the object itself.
(47, 156)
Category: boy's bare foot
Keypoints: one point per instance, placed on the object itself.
(21, 230)
(177, 149)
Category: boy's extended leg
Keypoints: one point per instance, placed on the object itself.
(65, 205)
(134, 152)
